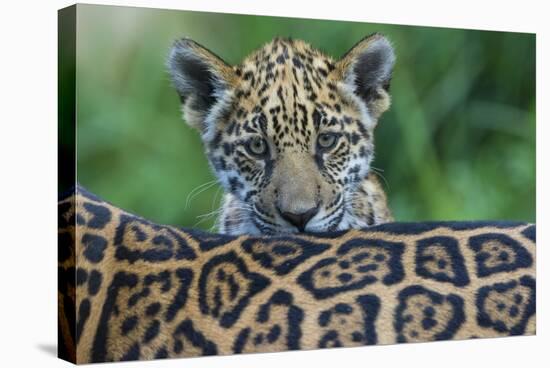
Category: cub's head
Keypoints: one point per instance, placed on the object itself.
(289, 132)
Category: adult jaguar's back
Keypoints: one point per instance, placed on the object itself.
(145, 291)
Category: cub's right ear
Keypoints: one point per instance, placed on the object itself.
(200, 78)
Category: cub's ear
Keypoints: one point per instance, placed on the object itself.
(201, 79)
(366, 70)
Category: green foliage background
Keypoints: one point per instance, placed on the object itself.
(458, 142)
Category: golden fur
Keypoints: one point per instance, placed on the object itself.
(133, 253)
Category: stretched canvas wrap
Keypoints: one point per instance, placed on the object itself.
(242, 184)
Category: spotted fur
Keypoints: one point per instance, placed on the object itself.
(130, 289)
(290, 97)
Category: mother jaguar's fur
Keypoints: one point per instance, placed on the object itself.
(145, 291)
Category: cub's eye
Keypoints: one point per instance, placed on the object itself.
(326, 141)
(256, 146)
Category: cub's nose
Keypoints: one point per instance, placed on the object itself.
(300, 220)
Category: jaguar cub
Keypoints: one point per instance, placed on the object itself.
(289, 132)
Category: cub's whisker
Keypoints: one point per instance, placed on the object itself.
(198, 190)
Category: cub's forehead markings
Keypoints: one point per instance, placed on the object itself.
(287, 96)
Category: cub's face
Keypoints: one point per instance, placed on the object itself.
(289, 132)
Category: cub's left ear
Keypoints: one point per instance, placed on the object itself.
(366, 69)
